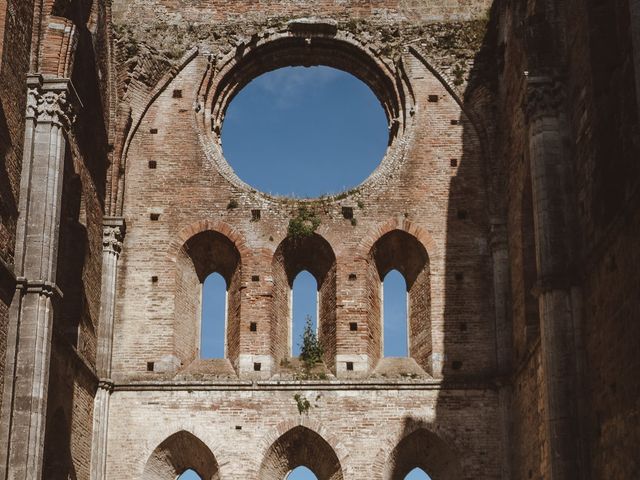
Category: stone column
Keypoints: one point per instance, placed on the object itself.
(550, 167)
(113, 234)
(49, 115)
(500, 257)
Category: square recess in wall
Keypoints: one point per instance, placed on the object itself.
(347, 212)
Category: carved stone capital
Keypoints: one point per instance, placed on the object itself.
(106, 384)
(112, 237)
(544, 98)
(51, 101)
(38, 287)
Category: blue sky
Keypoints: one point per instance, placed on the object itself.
(304, 132)
(303, 473)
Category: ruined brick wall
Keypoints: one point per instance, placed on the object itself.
(450, 76)
(605, 122)
(200, 183)
(427, 201)
(240, 430)
(602, 121)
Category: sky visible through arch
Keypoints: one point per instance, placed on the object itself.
(304, 132)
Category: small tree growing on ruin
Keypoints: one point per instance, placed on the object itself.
(311, 349)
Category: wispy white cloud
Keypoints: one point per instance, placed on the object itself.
(288, 85)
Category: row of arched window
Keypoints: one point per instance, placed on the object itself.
(301, 453)
(304, 299)
(304, 473)
(393, 290)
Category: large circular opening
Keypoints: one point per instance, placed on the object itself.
(305, 132)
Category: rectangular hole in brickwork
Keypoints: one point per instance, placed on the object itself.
(352, 277)
(433, 98)
(253, 327)
(177, 93)
(257, 366)
(153, 131)
(154, 279)
(353, 326)
(349, 366)
(153, 164)
(255, 215)
(454, 162)
(255, 278)
(457, 364)
(238, 427)
(154, 216)
(454, 122)
(150, 366)
(347, 212)
(462, 214)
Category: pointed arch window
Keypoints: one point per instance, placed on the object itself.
(311, 261)
(189, 475)
(213, 323)
(301, 473)
(394, 315)
(207, 298)
(417, 474)
(399, 255)
(304, 301)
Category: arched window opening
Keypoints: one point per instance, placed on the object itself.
(181, 456)
(304, 299)
(419, 452)
(314, 256)
(208, 277)
(417, 474)
(214, 317)
(301, 473)
(300, 447)
(394, 315)
(189, 475)
(402, 254)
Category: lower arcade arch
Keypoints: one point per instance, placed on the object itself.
(181, 453)
(300, 446)
(426, 452)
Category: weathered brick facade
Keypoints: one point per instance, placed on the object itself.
(508, 199)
